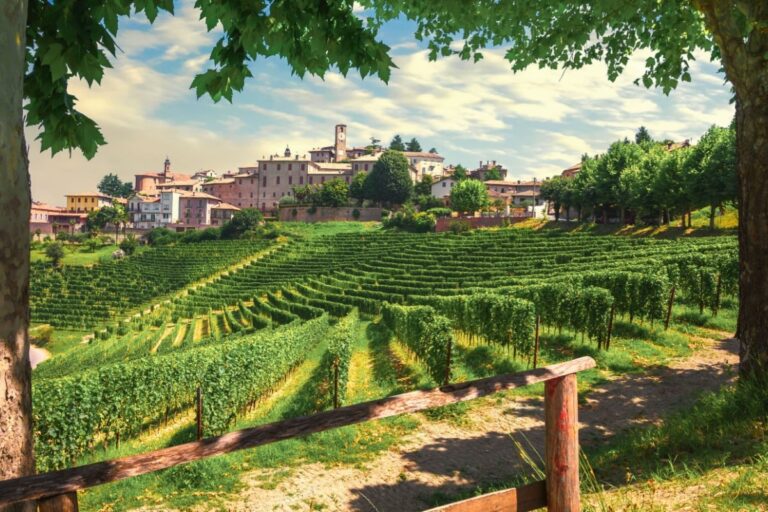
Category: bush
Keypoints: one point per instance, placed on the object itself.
(459, 226)
(161, 236)
(440, 212)
(355, 214)
(407, 220)
(129, 244)
(55, 253)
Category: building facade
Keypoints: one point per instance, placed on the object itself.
(88, 201)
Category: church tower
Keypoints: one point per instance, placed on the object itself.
(340, 145)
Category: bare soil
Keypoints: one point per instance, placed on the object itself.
(446, 459)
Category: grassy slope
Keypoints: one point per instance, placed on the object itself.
(79, 255)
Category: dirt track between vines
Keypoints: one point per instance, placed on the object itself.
(445, 459)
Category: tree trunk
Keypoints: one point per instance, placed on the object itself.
(16, 456)
(557, 212)
(752, 151)
(745, 66)
(712, 217)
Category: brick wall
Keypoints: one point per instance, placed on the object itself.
(326, 214)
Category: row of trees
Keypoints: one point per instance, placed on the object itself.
(397, 144)
(650, 181)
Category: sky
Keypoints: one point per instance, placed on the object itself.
(535, 122)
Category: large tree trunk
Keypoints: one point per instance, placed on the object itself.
(752, 150)
(15, 387)
(746, 68)
(712, 217)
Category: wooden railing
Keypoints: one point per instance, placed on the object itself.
(57, 491)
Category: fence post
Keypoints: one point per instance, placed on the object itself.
(60, 503)
(562, 444)
(336, 384)
(199, 413)
(669, 308)
(536, 343)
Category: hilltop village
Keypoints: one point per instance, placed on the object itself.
(191, 200)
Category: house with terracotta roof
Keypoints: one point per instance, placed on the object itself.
(49, 220)
(515, 193)
(222, 213)
(147, 182)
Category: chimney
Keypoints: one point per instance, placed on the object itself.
(480, 164)
(494, 162)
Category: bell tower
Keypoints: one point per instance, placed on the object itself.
(340, 144)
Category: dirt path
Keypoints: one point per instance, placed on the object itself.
(444, 459)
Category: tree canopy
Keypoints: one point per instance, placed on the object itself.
(492, 174)
(334, 193)
(397, 144)
(389, 181)
(469, 196)
(413, 145)
(242, 221)
(113, 186)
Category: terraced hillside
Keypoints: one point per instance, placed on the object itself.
(238, 336)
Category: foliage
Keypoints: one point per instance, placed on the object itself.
(112, 186)
(427, 334)
(460, 173)
(439, 212)
(339, 354)
(334, 193)
(413, 145)
(357, 187)
(243, 221)
(129, 244)
(397, 144)
(424, 186)
(241, 372)
(492, 174)
(389, 181)
(642, 136)
(54, 252)
(469, 196)
(408, 219)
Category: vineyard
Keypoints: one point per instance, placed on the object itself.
(240, 335)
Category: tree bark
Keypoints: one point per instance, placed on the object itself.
(712, 217)
(16, 455)
(746, 68)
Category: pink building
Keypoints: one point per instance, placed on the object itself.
(195, 209)
(147, 182)
(50, 220)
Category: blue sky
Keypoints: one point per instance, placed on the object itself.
(536, 122)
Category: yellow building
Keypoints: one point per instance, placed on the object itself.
(88, 201)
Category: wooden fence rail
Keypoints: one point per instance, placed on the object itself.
(58, 490)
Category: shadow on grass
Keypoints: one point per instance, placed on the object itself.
(388, 370)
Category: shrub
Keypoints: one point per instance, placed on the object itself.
(439, 212)
(355, 214)
(55, 253)
(129, 244)
(459, 226)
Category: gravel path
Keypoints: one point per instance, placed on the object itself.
(444, 459)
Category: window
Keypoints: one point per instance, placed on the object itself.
(301, 180)
(263, 194)
(346, 178)
(277, 180)
(290, 167)
(264, 182)
(273, 194)
(365, 167)
(443, 184)
(278, 167)
(322, 179)
(303, 167)
(251, 181)
(264, 167)
(311, 180)
(251, 195)
(290, 180)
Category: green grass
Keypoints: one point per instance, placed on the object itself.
(80, 255)
(216, 479)
(307, 229)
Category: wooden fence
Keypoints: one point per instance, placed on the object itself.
(57, 491)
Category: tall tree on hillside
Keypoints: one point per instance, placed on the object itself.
(460, 173)
(389, 181)
(553, 190)
(469, 196)
(492, 174)
(39, 53)
(424, 186)
(334, 193)
(357, 187)
(397, 144)
(621, 155)
(112, 186)
(413, 145)
(714, 164)
(642, 136)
